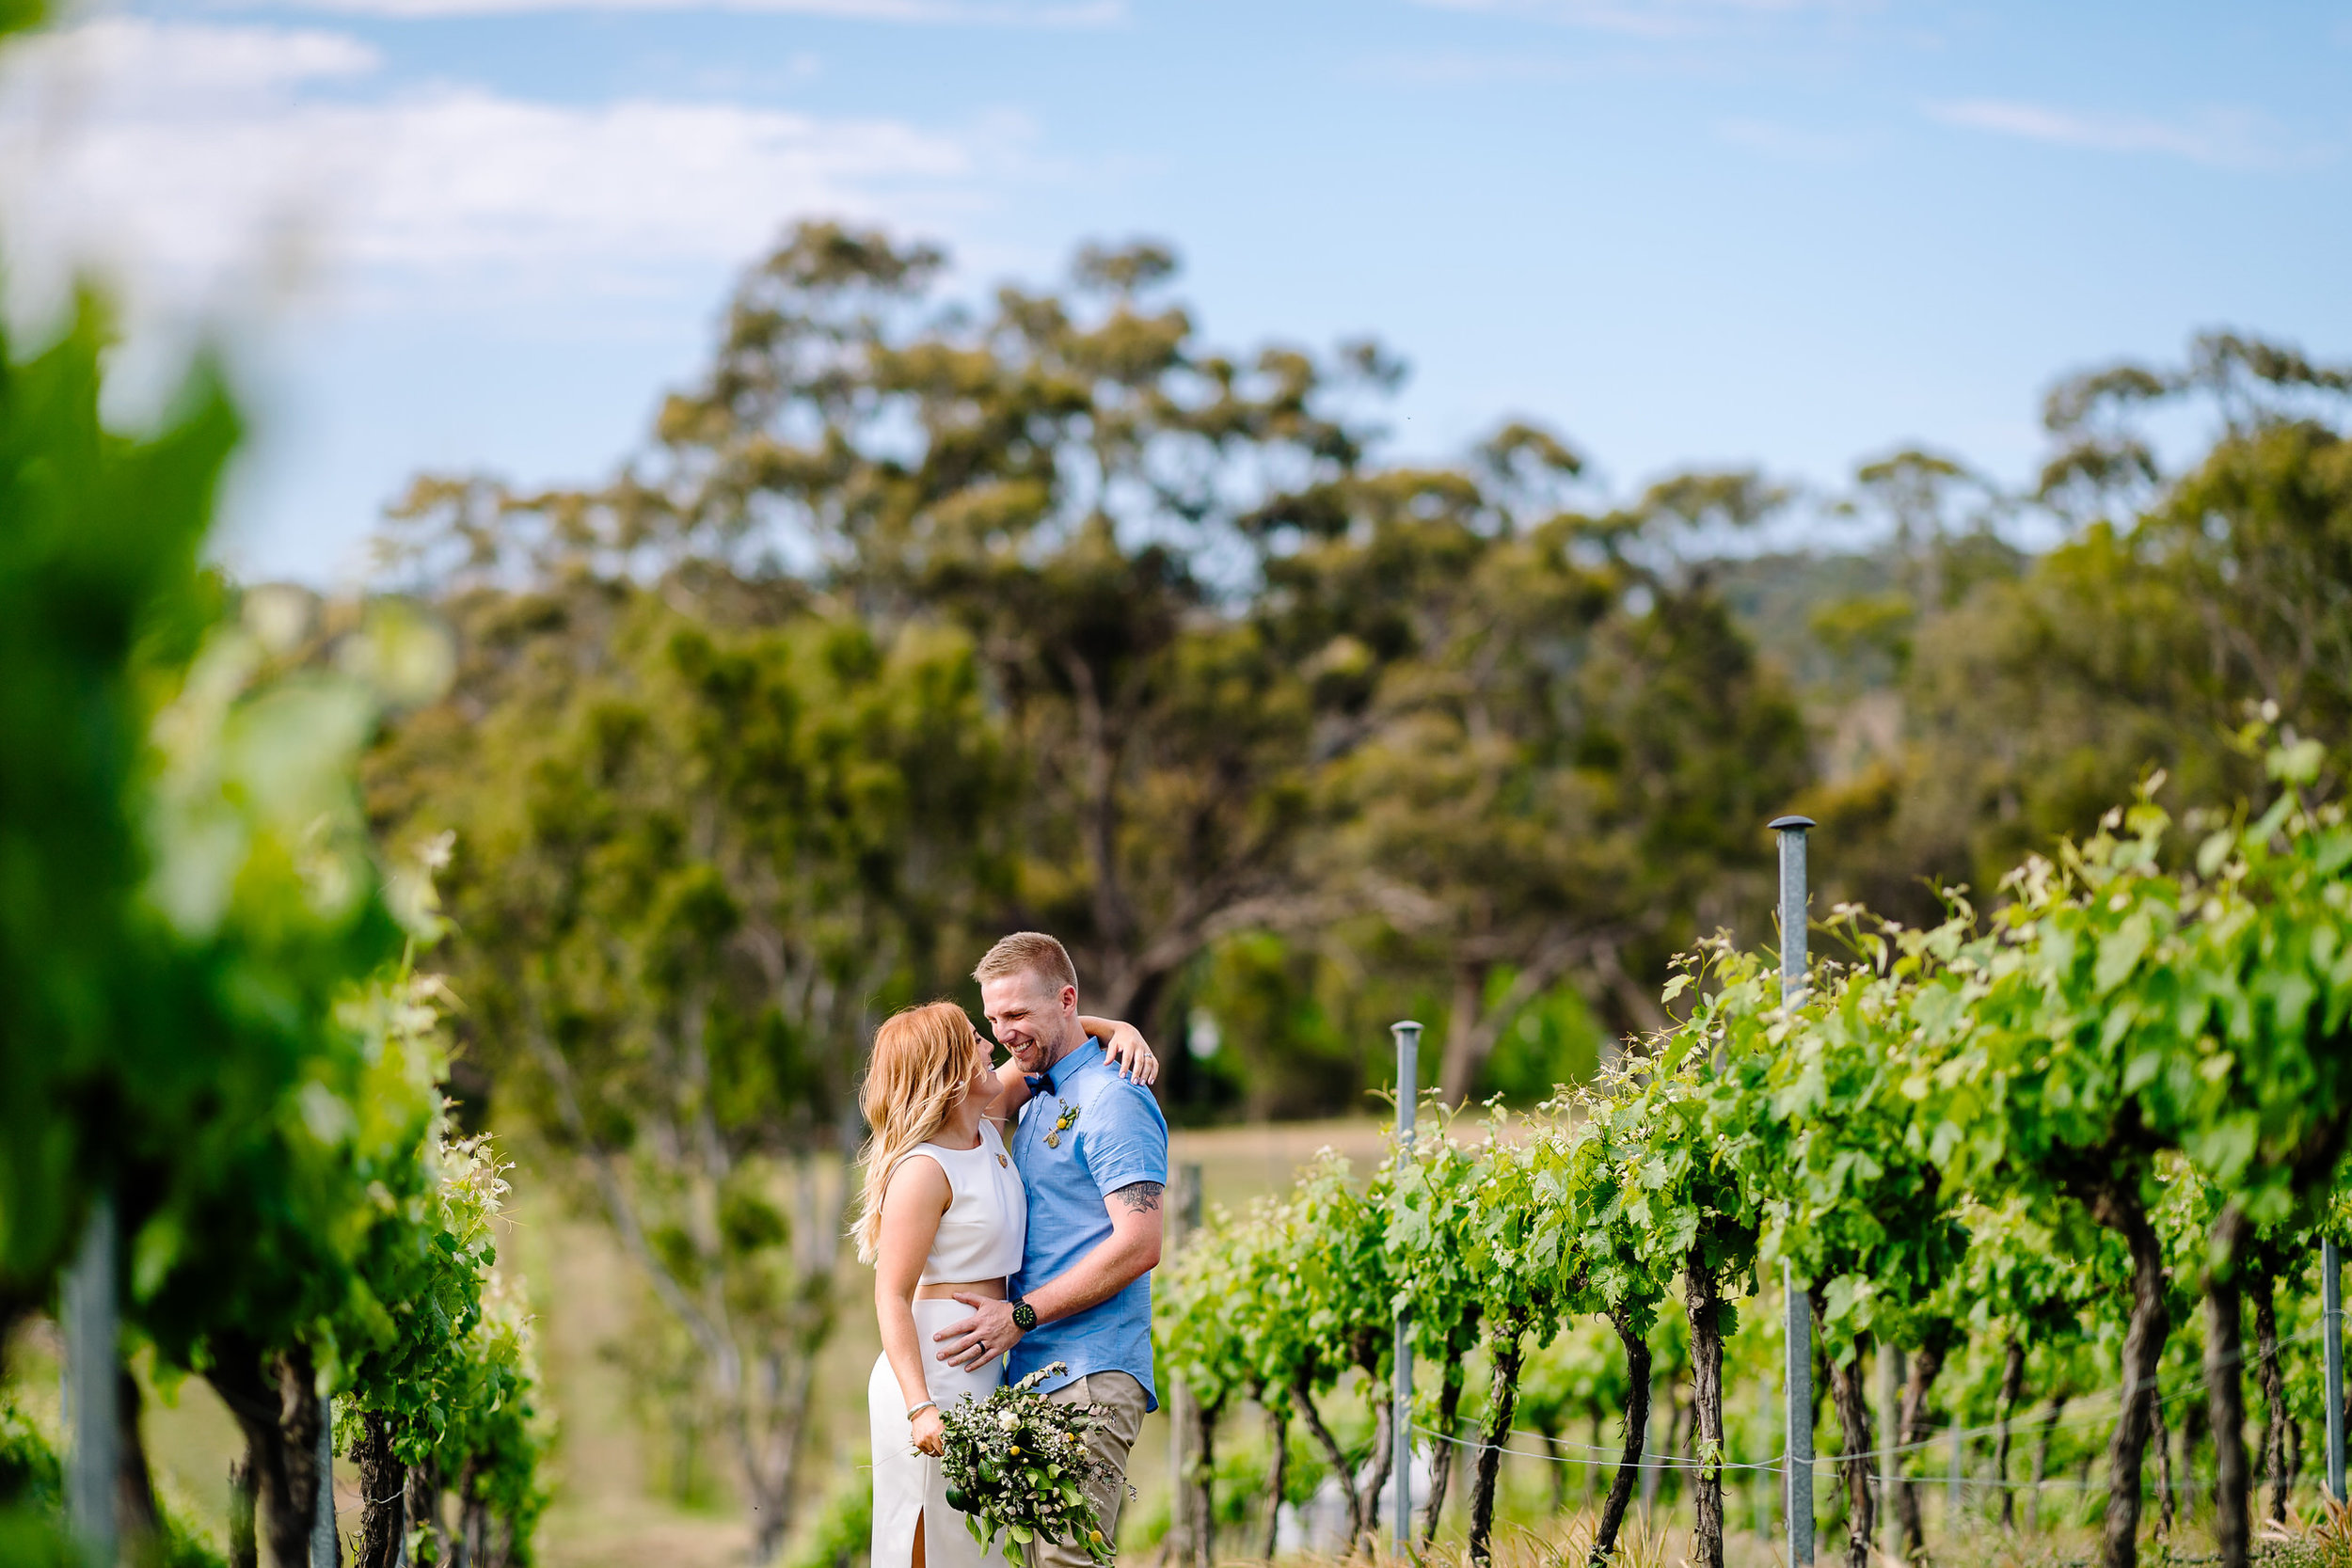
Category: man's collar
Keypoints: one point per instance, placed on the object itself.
(1065, 1067)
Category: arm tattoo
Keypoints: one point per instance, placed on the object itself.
(1141, 1197)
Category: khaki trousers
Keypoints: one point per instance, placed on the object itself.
(1112, 1438)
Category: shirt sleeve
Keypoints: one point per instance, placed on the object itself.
(1124, 1139)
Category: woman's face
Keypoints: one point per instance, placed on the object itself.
(981, 1088)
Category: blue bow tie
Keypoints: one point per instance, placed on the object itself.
(1039, 1083)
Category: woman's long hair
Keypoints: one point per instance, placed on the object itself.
(922, 1060)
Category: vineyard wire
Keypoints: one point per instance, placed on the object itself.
(2189, 1384)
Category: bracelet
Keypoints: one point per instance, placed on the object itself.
(914, 1410)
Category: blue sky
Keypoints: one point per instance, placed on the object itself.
(483, 234)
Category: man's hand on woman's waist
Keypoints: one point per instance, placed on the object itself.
(1130, 1251)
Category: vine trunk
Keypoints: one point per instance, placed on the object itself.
(383, 1494)
(1621, 1486)
(1505, 1340)
(2274, 1423)
(1201, 1472)
(1702, 1300)
(277, 1408)
(2012, 1389)
(1912, 1426)
(2225, 1399)
(1852, 1403)
(1443, 1449)
(1279, 1431)
(2115, 1204)
(1303, 1391)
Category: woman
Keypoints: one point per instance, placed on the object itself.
(944, 1212)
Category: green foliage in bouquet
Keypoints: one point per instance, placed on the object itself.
(1017, 1464)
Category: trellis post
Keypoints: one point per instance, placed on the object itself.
(1797, 1381)
(90, 1371)
(2331, 1318)
(325, 1549)
(1956, 1486)
(1891, 1422)
(1400, 1419)
(1183, 1217)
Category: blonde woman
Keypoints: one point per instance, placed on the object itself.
(944, 1214)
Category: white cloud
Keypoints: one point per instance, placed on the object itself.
(986, 13)
(2219, 138)
(1657, 19)
(182, 62)
(199, 153)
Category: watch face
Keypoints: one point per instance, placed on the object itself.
(1024, 1316)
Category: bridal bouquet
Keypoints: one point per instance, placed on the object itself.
(1017, 1464)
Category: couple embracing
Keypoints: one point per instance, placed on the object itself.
(1013, 1217)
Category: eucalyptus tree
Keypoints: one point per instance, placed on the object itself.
(1063, 477)
(1533, 725)
(2180, 594)
(1194, 598)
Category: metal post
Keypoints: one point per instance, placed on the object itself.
(1407, 1092)
(323, 1542)
(90, 1371)
(1890, 1447)
(1793, 904)
(1955, 1485)
(1183, 1217)
(2332, 1316)
(1797, 1379)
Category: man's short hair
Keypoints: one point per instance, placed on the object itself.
(1028, 953)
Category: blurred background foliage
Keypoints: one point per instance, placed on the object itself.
(910, 624)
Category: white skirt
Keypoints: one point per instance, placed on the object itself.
(907, 1486)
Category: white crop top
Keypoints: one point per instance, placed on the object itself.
(986, 1227)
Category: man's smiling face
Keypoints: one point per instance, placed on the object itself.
(1028, 1014)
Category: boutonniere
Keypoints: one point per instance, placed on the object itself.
(1062, 1123)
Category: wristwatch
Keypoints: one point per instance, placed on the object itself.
(1023, 1315)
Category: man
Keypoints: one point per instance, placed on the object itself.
(1092, 1152)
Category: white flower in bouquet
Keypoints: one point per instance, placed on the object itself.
(1017, 1466)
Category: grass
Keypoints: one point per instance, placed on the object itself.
(1565, 1541)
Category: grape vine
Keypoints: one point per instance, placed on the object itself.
(2029, 1138)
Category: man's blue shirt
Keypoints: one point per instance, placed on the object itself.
(1112, 1135)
